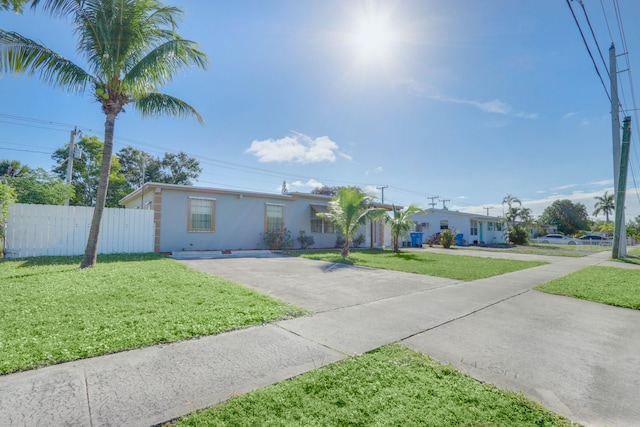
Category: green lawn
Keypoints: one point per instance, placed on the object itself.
(607, 285)
(559, 250)
(391, 386)
(459, 267)
(51, 312)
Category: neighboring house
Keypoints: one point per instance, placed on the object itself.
(197, 218)
(542, 230)
(475, 229)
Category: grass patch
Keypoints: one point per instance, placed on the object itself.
(391, 386)
(559, 250)
(606, 285)
(52, 312)
(459, 267)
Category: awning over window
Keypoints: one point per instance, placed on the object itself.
(319, 208)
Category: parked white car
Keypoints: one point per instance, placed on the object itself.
(558, 239)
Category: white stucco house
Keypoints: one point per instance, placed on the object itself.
(198, 218)
(475, 229)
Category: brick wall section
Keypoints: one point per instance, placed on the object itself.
(157, 215)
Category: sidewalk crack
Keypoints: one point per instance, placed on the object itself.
(86, 391)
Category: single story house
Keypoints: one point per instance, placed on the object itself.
(542, 230)
(475, 229)
(198, 218)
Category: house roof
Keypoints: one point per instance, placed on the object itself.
(150, 186)
(473, 216)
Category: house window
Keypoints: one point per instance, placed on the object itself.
(444, 224)
(320, 225)
(473, 227)
(273, 218)
(202, 215)
(489, 226)
(498, 226)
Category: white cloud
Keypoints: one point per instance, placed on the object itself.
(606, 182)
(376, 170)
(297, 148)
(564, 187)
(496, 106)
(299, 185)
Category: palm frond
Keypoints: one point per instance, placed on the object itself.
(162, 63)
(59, 8)
(19, 54)
(158, 104)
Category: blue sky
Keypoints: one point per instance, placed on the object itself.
(466, 100)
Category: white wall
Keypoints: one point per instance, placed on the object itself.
(45, 230)
(461, 223)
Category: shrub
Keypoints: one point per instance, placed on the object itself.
(304, 240)
(447, 238)
(434, 239)
(358, 241)
(518, 234)
(277, 240)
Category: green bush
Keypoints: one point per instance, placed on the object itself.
(304, 240)
(277, 240)
(358, 241)
(446, 238)
(518, 234)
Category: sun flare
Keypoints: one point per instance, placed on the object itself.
(373, 37)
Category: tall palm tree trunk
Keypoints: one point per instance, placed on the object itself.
(91, 250)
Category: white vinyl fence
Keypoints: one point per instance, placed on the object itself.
(45, 230)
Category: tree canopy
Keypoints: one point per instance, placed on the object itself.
(139, 167)
(605, 204)
(569, 217)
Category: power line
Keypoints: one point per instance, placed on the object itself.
(588, 49)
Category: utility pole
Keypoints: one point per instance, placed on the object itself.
(620, 230)
(615, 138)
(382, 187)
(433, 203)
(487, 208)
(443, 203)
(72, 149)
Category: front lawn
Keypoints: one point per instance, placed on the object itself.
(607, 285)
(559, 250)
(459, 267)
(391, 386)
(52, 312)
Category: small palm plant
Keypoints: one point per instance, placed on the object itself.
(400, 222)
(349, 210)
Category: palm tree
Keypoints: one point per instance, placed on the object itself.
(349, 210)
(400, 222)
(605, 205)
(131, 49)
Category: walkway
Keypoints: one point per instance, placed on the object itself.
(578, 358)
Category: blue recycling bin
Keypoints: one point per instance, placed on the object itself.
(458, 239)
(416, 239)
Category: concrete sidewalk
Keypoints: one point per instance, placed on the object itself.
(575, 357)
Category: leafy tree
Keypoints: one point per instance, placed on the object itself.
(604, 204)
(179, 168)
(7, 196)
(86, 173)
(348, 210)
(13, 168)
(569, 217)
(131, 49)
(40, 187)
(400, 222)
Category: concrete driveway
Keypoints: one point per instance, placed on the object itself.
(577, 358)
